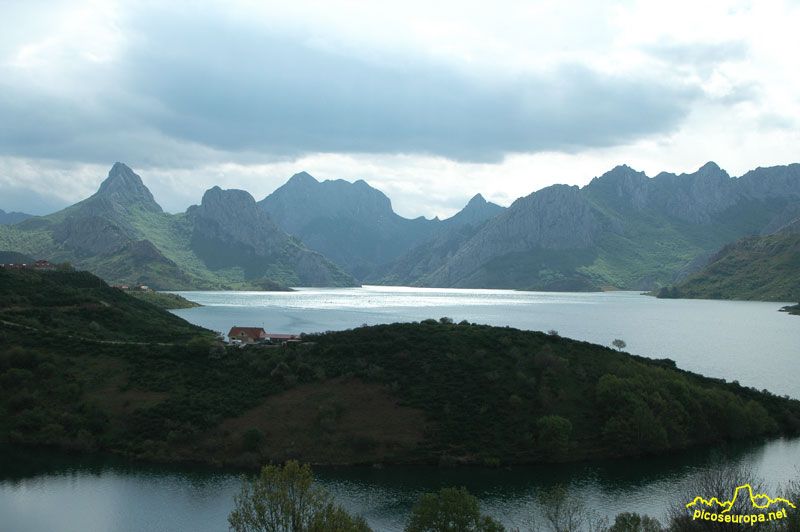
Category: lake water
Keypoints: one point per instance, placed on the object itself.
(748, 341)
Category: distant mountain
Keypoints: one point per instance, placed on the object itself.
(12, 217)
(475, 212)
(354, 224)
(765, 268)
(122, 234)
(623, 229)
(415, 265)
(14, 257)
(230, 231)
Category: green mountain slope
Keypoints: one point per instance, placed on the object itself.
(121, 234)
(85, 366)
(753, 268)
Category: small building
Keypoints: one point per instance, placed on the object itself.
(248, 335)
(42, 265)
(282, 339)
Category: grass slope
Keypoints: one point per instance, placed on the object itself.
(85, 366)
(163, 300)
(752, 268)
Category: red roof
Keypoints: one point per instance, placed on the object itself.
(252, 332)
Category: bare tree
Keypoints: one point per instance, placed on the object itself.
(719, 482)
(559, 511)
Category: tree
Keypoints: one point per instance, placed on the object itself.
(253, 439)
(284, 499)
(561, 512)
(719, 480)
(619, 344)
(553, 435)
(451, 510)
(633, 522)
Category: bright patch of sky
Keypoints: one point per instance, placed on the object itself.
(430, 102)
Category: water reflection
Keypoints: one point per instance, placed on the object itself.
(53, 491)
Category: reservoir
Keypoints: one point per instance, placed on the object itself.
(746, 341)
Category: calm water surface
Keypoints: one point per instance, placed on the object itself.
(748, 341)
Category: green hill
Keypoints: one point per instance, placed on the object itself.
(85, 366)
(68, 304)
(752, 268)
(163, 300)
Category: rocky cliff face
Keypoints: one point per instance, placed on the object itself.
(557, 217)
(696, 197)
(91, 233)
(232, 216)
(622, 229)
(300, 201)
(231, 231)
(353, 224)
(101, 223)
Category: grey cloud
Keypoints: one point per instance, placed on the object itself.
(194, 84)
(25, 200)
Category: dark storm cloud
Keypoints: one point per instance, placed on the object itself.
(187, 82)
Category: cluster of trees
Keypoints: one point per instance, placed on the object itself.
(493, 395)
(285, 499)
(500, 394)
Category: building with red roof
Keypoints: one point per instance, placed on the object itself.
(248, 335)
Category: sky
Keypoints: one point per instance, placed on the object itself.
(430, 102)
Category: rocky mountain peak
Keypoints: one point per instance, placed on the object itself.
(302, 178)
(711, 171)
(476, 210)
(232, 216)
(124, 187)
(303, 199)
(623, 183)
(229, 205)
(710, 168)
(477, 199)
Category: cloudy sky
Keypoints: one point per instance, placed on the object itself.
(429, 101)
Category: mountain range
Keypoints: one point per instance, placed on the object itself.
(12, 217)
(122, 234)
(353, 224)
(624, 229)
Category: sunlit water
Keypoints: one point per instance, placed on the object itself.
(748, 341)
